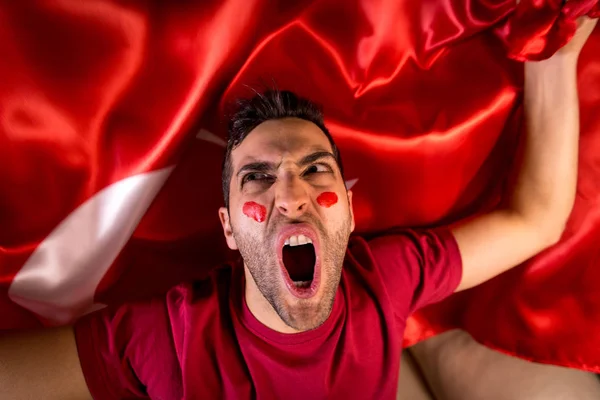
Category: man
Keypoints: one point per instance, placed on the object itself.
(309, 313)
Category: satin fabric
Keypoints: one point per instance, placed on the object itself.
(421, 97)
(539, 28)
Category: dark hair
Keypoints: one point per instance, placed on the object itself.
(272, 104)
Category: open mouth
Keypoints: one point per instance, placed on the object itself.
(299, 260)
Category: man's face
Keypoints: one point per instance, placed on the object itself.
(290, 216)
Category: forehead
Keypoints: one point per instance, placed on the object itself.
(275, 138)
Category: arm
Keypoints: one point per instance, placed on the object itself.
(42, 365)
(542, 199)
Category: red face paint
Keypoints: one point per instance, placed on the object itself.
(255, 211)
(327, 199)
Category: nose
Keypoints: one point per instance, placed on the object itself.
(291, 198)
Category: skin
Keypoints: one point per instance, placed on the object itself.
(289, 192)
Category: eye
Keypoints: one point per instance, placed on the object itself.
(317, 168)
(257, 177)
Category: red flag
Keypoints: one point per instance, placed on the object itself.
(111, 136)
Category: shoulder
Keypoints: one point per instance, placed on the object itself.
(158, 310)
(403, 252)
(414, 267)
(143, 342)
(379, 246)
(413, 244)
(207, 294)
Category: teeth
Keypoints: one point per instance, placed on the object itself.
(297, 240)
(302, 239)
(302, 284)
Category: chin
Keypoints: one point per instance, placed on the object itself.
(305, 314)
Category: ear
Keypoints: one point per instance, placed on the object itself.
(351, 210)
(227, 231)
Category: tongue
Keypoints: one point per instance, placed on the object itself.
(299, 262)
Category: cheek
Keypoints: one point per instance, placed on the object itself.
(327, 199)
(255, 211)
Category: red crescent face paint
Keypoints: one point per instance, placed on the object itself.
(255, 211)
(327, 199)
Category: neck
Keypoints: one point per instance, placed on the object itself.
(260, 307)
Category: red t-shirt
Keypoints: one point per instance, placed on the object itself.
(201, 341)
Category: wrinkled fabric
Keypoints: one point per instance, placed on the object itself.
(539, 28)
(422, 98)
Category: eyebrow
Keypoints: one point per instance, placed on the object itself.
(265, 166)
(257, 166)
(311, 158)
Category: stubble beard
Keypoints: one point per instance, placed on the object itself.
(261, 261)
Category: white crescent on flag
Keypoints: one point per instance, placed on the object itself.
(59, 279)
